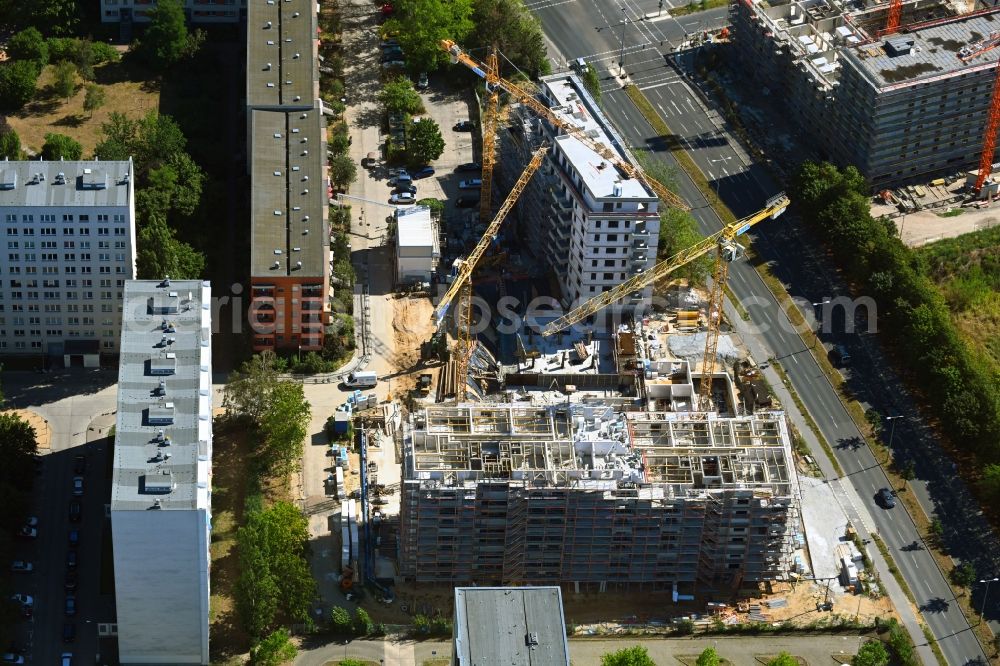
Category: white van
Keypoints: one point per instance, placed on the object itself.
(364, 379)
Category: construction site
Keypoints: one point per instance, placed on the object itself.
(902, 90)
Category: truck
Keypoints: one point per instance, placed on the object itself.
(362, 379)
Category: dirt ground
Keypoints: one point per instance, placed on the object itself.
(412, 326)
(927, 226)
(127, 91)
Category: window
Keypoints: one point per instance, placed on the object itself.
(102, 218)
(119, 231)
(11, 245)
(613, 237)
(102, 231)
(597, 238)
(27, 218)
(68, 231)
(593, 263)
(67, 218)
(48, 231)
(11, 231)
(85, 218)
(609, 276)
(613, 224)
(609, 262)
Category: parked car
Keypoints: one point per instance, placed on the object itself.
(23, 599)
(406, 189)
(394, 64)
(11, 658)
(70, 607)
(402, 198)
(469, 166)
(27, 532)
(69, 632)
(470, 184)
(389, 42)
(79, 464)
(75, 511)
(20, 566)
(77, 485)
(422, 81)
(885, 498)
(401, 178)
(464, 126)
(71, 581)
(71, 559)
(74, 538)
(392, 55)
(67, 659)
(423, 172)
(469, 201)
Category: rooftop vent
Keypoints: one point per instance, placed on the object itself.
(277, 251)
(8, 179)
(298, 264)
(267, 25)
(60, 178)
(276, 264)
(897, 46)
(160, 483)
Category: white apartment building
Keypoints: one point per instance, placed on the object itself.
(593, 225)
(70, 234)
(161, 494)
(195, 11)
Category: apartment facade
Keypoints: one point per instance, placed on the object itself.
(196, 11)
(594, 500)
(70, 234)
(905, 108)
(161, 508)
(591, 224)
(290, 262)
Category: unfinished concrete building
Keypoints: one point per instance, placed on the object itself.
(902, 108)
(589, 498)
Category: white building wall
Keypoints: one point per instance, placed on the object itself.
(161, 586)
(62, 279)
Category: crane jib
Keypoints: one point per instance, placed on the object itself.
(479, 72)
(742, 230)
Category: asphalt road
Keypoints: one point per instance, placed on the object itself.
(592, 30)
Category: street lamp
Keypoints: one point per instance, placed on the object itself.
(982, 609)
(621, 55)
(892, 432)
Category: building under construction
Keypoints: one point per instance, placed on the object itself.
(903, 105)
(592, 498)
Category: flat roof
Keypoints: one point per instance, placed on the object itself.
(288, 199)
(572, 102)
(282, 69)
(415, 228)
(163, 433)
(510, 626)
(38, 183)
(934, 52)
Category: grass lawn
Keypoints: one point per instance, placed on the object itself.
(764, 658)
(128, 88)
(229, 476)
(357, 662)
(695, 7)
(692, 659)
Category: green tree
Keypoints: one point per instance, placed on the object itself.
(436, 205)
(990, 484)
(160, 253)
(343, 171)
(55, 17)
(65, 79)
(94, 99)
(872, 653)
(936, 530)
(257, 592)
(783, 659)
(283, 427)
(632, 656)
(398, 96)
(679, 231)
(10, 142)
(166, 40)
(150, 141)
(247, 394)
(274, 650)
(174, 186)
(18, 445)
(60, 146)
(908, 472)
(874, 419)
(351, 662)
(422, 24)
(963, 575)
(424, 142)
(29, 45)
(900, 645)
(708, 657)
(363, 624)
(514, 30)
(18, 79)
(592, 82)
(340, 620)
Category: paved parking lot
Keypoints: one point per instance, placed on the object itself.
(80, 412)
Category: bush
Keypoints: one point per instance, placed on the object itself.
(363, 622)
(340, 620)
(29, 45)
(684, 627)
(18, 80)
(421, 624)
(60, 146)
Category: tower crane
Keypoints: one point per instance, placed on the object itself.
(727, 251)
(490, 120)
(462, 284)
(993, 117)
(892, 19)
(494, 80)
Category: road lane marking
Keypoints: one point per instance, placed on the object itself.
(676, 108)
(637, 132)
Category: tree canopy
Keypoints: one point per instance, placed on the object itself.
(274, 650)
(343, 171)
(54, 17)
(872, 653)
(29, 45)
(511, 27)
(64, 82)
(17, 446)
(94, 98)
(631, 656)
(399, 96)
(708, 657)
(166, 40)
(783, 659)
(10, 142)
(422, 24)
(424, 142)
(18, 79)
(160, 253)
(150, 140)
(60, 146)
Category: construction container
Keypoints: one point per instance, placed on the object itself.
(341, 422)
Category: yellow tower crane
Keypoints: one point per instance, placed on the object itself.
(727, 250)
(495, 81)
(462, 284)
(490, 119)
